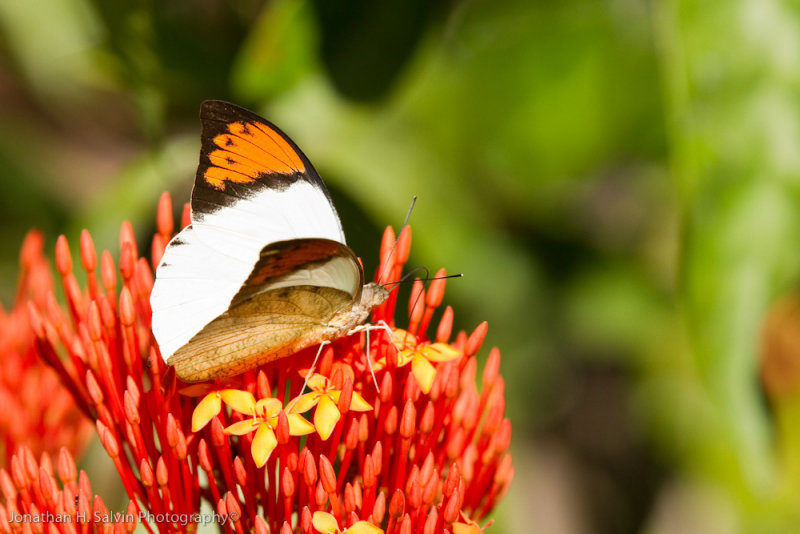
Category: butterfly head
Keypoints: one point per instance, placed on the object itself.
(373, 294)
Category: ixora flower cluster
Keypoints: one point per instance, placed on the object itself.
(423, 451)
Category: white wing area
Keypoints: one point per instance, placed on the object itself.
(205, 265)
(194, 284)
(340, 272)
(269, 215)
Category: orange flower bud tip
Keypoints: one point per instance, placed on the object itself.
(127, 261)
(351, 436)
(261, 525)
(222, 509)
(377, 457)
(386, 387)
(126, 235)
(7, 486)
(31, 251)
(403, 245)
(232, 504)
(88, 253)
(368, 473)
(282, 428)
(309, 471)
(67, 471)
(146, 473)
(430, 521)
(427, 470)
(405, 525)
(492, 368)
(164, 221)
(379, 508)
(108, 271)
(451, 509)
(240, 471)
(387, 242)
(218, 436)
(204, 456)
(162, 473)
(397, 505)
(390, 425)
(286, 528)
(93, 388)
(127, 311)
(172, 430)
(327, 475)
(287, 483)
(262, 385)
(408, 420)
(98, 506)
(476, 339)
(63, 256)
(95, 325)
(436, 289)
(109, 442)
(36, 320)
(131, 410)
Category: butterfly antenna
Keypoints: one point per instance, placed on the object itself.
(416, 299)
(409, 273)
(391, 251)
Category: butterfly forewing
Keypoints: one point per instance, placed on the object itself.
(247, 162)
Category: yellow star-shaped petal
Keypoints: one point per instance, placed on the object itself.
(325, 523)
(466, 526)
(420, 356)
(326, 399)
(263, 419)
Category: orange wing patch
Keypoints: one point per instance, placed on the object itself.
(247, 151)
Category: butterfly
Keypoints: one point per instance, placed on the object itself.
(263, 269)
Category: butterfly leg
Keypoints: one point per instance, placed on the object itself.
(366, 328)
(310, 372)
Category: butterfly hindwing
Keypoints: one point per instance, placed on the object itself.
(300, 262)
(270, 325)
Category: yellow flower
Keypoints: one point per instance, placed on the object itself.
(326, 399)
(420, 356)
(326, 524)
(264, 421)
(466, 526)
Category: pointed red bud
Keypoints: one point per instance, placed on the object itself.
(261, 526)
(327, 475)
(63, 256)
(162, 473)
(397, 506)
(436, 289)
(476, 339)
(240, 472)
(408, 420)
(146, 473)
(379, 508)
(88, 253)
(66, 466)
(164, 221)
(287, 483)
(127, 311)
(108, 272)
(368, 475)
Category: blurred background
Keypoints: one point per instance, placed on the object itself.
(617, 180)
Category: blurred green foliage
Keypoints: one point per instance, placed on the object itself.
(618, 181)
